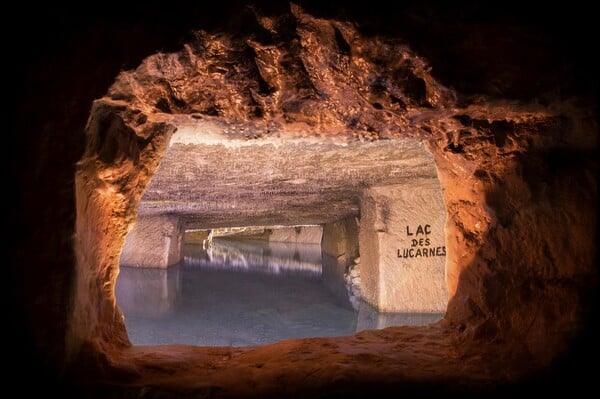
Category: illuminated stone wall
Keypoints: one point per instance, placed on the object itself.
(155, 241)
(402, 248)
(340, 250)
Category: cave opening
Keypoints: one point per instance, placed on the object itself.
(332, 237)
(520, 235)
(156, 166)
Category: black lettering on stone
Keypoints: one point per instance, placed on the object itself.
(421, 242)
(421, 230)
(420, 252)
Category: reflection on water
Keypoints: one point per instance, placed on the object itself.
(148, 293)
(240, 293)
(256, 257)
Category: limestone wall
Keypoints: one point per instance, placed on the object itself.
(195, 236)
(340, 240)
(155, 241)
(340, 251)
(290, 234)
(297, 234)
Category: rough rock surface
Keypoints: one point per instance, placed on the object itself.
(513, 134)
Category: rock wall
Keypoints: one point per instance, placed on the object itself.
(340, 240)
(514, 223)
(154, 241)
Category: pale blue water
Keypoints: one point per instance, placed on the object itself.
(244, 293)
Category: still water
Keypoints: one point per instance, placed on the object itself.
(240, 293)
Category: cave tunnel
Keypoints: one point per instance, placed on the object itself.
(374, 206)
(374, 127)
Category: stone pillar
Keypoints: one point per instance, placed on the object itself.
(340, 240)
(155, 241)
(339, 248)
(402, 247)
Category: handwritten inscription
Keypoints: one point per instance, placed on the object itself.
(420, 244)
(421, 252)
(426, 230)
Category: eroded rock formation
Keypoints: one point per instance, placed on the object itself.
(518, 180)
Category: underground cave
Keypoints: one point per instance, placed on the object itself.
(375, 115)
(369, 203)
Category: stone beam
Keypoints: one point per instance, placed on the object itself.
(296, 234)
(289, 234)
